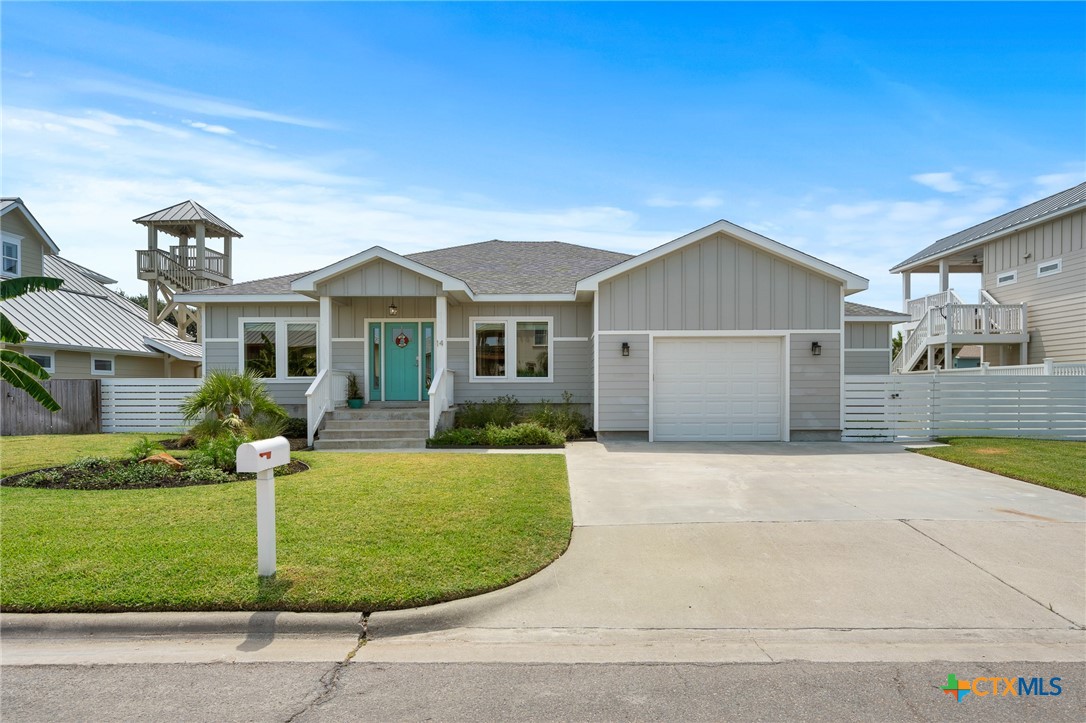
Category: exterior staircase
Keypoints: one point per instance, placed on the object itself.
(377, 426)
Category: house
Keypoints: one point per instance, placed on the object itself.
(722, 334)
(1032, 303)
(84, 330)
(869, 338)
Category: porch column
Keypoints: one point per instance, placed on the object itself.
(944, 274)
(324, 335)
(906, 289)
(200, 248)
(441, 334)
(227, 247)
(948, 353)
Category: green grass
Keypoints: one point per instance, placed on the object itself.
(22, 454)
(356, 532)
(1055, 464)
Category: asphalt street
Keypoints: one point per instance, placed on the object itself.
(526, 692)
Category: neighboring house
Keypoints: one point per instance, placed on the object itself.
(84, 330)
(1032, 303)
(868, 338)
(722, 334)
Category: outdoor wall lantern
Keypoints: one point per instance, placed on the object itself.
(816, 349)
(625, 348)
(393, 309)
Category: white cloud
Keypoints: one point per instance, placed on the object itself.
(1051, 183)
(209, 128)
(943, 182)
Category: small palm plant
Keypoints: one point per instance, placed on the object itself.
(234, 404)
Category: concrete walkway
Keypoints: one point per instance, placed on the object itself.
(764, 552)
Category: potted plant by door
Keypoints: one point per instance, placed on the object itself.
(354, 394)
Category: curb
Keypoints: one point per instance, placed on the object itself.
(265, 623)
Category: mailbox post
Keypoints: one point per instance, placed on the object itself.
(262, 457)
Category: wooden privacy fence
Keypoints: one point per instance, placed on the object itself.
(912, 407)
(79, 413)
(145, 405)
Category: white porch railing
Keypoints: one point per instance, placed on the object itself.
(441, 397)
(1048, 368)
(985, 319)
(918, 308)
(318, 400)
(914, 344)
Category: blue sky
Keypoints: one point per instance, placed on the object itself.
(855, 132)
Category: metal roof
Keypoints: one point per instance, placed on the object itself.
(854, 309)
(520, 267)
(85, 314)
(186, 213)
(1034, 212)
(186, 350)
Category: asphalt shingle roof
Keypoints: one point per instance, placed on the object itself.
(854, 309)
(520, 267)
(271, 285)
(1045, 207)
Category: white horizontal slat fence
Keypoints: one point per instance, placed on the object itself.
(908, 407)
(145, 405)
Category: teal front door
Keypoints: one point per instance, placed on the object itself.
(402, 361)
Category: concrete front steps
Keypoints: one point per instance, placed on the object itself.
(377, 426)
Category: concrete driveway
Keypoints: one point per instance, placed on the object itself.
(765, 552)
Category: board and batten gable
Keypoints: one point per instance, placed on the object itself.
(1056, 311)
(867, 347)
(720, 283)
(379, 278)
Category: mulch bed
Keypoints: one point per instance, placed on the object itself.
(68, 474)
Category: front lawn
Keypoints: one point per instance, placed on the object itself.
(357, 532)
(1056, 464)
(22, 454)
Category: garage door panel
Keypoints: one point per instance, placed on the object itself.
(717, 389)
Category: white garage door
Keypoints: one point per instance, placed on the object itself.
(716, 389)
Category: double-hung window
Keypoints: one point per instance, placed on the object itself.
(279, 348)
(11, 262)
(511, 349)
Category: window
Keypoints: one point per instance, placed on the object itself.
(11, 265)
(259, 343)
(102, 366)
(279, 348)
(511, 349)
(301, 350)
(45, 361)
(1008, 278)
(1048, 268)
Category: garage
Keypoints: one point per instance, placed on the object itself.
(718, 389)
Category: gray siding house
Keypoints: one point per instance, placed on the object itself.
(722, 334)
(1032, 305)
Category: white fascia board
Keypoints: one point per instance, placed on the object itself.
(879, 319)
(196, 297)
(526, 298)
(99, 350)
(309, 281)
(851, 281)
(33, 223)
(994, 236)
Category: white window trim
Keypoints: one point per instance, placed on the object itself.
(280, 348)
(1050, 272)
(51, 367)
(112, 365)
(511, 349)
(11, 238)
(1001, 281)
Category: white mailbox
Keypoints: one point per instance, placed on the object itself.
(263, 454)
(262, 457)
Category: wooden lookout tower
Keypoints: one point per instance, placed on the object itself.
(187, 266)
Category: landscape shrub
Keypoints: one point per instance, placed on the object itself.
(500, 411)
(524, 434)
(229, 404)
(143, 449)
(296, 428)
(563, 418)
(205, 475)
(218, 452)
